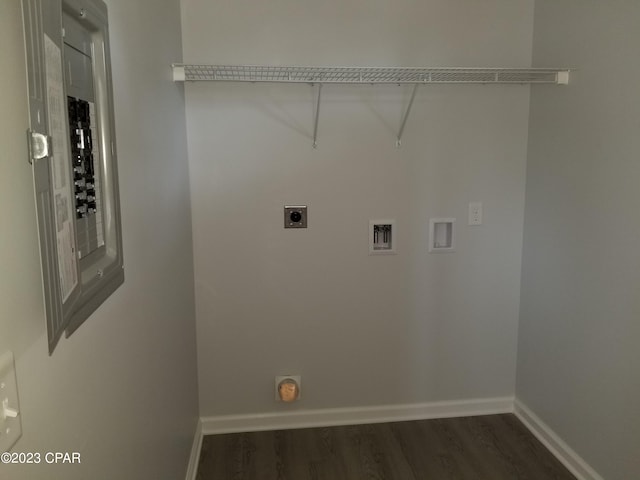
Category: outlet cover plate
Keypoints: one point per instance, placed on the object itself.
(475, 213)
(295, 216)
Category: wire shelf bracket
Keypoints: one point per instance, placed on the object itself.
(317, 116)
(406, 115)
(367, 76)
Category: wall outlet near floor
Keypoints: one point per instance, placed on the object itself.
(288, 388)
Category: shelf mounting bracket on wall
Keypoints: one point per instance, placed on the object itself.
(406, 115)
(368, 76)
(317, 115)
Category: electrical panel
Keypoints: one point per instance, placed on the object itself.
(85, 154)
(71, 142)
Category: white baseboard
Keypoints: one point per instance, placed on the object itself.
(354, 416)
(194, 458)
(391, 413)
(569, 458)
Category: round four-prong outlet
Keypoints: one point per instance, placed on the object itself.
(295, 216)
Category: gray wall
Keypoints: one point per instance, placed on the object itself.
(362, 330)
(122, 390)
(578, 355)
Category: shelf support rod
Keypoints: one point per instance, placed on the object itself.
(315, 124)
(406, 115)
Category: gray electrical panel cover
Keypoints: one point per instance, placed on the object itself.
(71, 140)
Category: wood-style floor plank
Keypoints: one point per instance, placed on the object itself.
(492, 447)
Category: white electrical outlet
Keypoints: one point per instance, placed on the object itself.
(475, 213)
(10, 425)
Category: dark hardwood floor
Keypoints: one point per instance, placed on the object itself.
(492, 447)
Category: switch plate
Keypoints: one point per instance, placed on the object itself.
(10, 426)
(475, 213)
(295, 216)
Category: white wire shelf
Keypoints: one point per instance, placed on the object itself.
(367, 75)
(319, 76)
